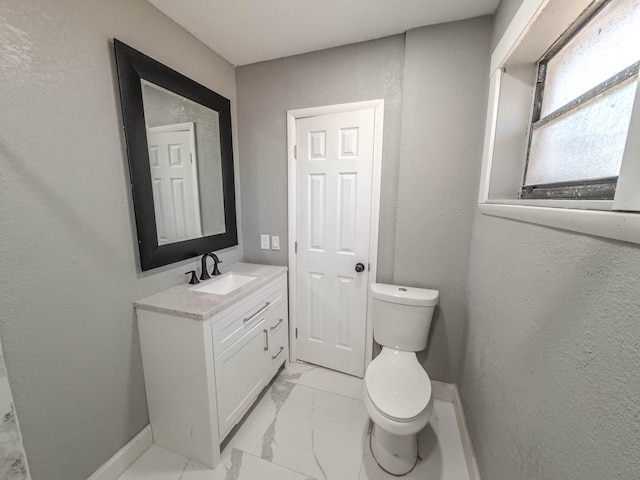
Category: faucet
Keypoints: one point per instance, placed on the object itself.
(205, 275)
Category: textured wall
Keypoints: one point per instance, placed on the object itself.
(68, 250)
(364, 71)
(445, 94)
(551, 379)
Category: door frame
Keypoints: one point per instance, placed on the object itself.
(292, 117)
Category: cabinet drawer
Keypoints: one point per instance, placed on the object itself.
(277, 320)
(235, 324)
(278, 336)
(279, 348)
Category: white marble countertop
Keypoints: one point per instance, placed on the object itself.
(181, 300)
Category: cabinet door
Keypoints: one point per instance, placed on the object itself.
(240, 376)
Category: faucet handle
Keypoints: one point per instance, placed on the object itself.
(194, 279)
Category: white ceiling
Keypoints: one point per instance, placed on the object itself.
(249, 31)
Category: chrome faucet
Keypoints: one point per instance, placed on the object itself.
(205, 274)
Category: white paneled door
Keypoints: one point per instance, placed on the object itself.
(334, 165)
(174, 180)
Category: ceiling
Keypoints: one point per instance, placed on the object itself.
(249, 31)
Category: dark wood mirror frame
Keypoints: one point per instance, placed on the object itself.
(133, 66)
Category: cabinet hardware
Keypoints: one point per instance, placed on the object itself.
(266, 339)
(276, 355)
(248, 319)
(277, 324)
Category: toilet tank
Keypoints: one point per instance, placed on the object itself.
(402, 316)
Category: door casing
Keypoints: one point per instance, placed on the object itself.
(292, 116)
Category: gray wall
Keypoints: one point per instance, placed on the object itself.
(445, 93)
(68, 254)
(358, 72)
(432, 139)
(550, 381)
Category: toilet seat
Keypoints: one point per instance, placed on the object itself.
(398, 386)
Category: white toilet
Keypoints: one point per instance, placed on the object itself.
(397, 390)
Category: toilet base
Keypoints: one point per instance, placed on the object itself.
(395, 454)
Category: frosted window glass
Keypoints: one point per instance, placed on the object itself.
(605, 46)
(587, 142)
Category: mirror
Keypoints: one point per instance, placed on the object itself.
(178, 136)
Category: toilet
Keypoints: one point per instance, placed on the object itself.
(397, 390)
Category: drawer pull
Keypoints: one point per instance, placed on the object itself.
(248, 319)
(276, 355)
(266, 340)
(277, 324)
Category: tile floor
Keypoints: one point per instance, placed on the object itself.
(310, 424)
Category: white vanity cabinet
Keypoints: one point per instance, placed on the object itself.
(205, 367)
(243, 342)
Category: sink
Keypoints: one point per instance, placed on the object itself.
(225, 283)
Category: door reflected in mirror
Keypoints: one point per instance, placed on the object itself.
(184, 157)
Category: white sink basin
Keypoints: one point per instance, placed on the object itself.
(225, 283)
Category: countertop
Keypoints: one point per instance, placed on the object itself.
(184, 302)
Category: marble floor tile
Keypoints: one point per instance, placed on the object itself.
(250, 431)
(294, 370)
(317, 433)
(332, 381)
(240, 465)
(440, 448)
(13, 461)
(310, 424)
(156, 463)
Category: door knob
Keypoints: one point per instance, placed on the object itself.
(359, 267)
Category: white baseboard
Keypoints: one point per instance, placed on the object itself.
(116, 465)
(448, 392)
(467, 446)
(442, 391)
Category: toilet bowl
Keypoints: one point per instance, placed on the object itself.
(397, 397)
(397, 390)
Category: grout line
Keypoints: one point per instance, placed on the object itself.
(307, 476)
(329, 392)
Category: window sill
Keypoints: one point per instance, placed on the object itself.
(622, 226)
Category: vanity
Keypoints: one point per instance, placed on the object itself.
(208, 350)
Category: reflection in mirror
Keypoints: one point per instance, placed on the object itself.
(184, 155)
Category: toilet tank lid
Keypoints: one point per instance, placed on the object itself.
(420, 297)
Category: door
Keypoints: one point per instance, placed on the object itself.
(174, 179)
(334, 165)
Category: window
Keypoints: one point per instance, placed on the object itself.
(585, 89)
(562, 143)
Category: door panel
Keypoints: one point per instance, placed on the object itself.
(240, 376)
(334, 182)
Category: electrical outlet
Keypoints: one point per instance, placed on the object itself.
(275, 242)
(264, 242)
